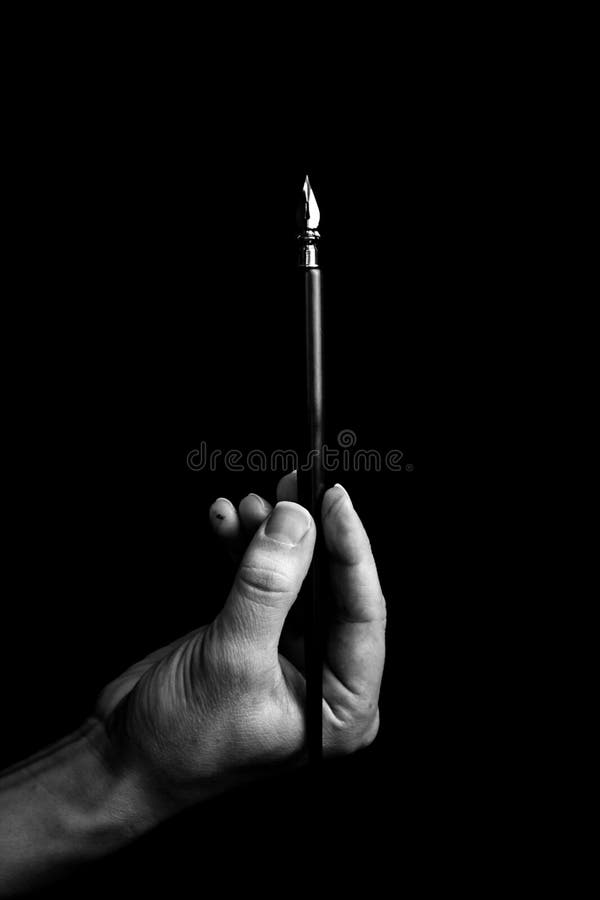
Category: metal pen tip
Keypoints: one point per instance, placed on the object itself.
(308, 210)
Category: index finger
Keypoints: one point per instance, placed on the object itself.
(356, 642)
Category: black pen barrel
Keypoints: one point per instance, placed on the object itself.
(310, 495)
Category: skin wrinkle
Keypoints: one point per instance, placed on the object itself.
(260, 580)
(349, 695)
(342, 618)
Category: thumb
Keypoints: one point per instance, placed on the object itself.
(269, 579)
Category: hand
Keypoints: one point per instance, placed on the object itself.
(226, 700)
(213, 708)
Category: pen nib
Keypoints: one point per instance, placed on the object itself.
(308, 211)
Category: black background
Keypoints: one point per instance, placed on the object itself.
(152, 263)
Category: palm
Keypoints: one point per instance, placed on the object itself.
(158, 697)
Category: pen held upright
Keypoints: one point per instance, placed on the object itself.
(310, 494)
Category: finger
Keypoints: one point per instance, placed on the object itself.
(226, 524)
(268, 580)
(253, 510)
(287, 489)
(356, 642)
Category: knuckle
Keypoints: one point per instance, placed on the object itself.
(256, 581)
(356, 730)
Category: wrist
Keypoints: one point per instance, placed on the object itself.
(69, 805)
(122, 803)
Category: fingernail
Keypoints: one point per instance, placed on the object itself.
(220, 501)
(335, 494)
(341, 488)
(260, 500)
(288, 523)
